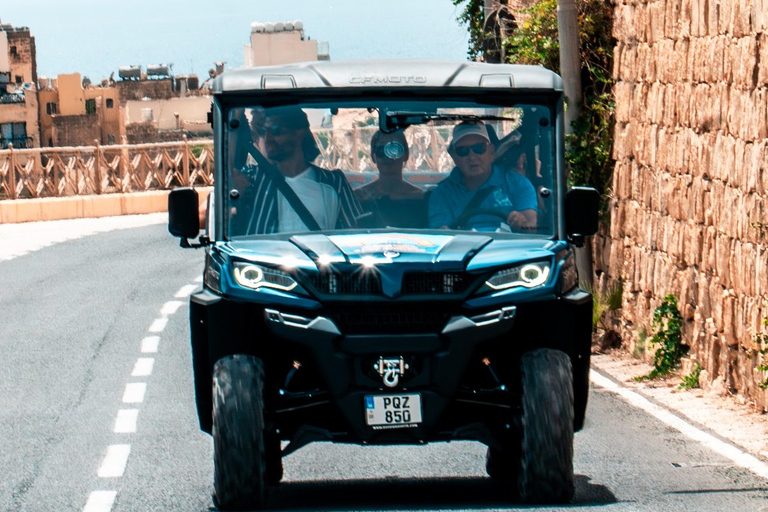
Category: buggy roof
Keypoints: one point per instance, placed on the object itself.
(389, 73)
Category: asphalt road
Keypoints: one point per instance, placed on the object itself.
(97, 410)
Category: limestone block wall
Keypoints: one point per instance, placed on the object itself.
(690, 186)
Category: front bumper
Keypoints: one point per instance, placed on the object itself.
(320, 365)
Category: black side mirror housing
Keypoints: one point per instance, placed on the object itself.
(183, 219)
(582, 208)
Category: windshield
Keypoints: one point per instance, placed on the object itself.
(390, 165)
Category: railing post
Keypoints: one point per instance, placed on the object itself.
(185, 164)
(12, 175)
(434, 158)
(355, 156)
(98, 166)
(124, 163)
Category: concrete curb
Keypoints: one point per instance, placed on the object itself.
(78, 207)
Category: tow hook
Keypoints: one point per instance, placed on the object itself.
(390, 370)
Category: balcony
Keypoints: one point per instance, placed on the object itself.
(12, 98)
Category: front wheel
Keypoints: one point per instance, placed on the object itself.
(239, 448)
(547, 446)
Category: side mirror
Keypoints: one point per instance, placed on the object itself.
(582, 207)
(183, 220)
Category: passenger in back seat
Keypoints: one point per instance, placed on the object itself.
(394, 201)
(389, 151)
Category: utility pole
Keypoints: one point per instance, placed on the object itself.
(570, 69)
(570, 61)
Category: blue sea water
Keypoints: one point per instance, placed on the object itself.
(96, 37)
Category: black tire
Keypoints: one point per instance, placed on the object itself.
(239, 449)
(547, 445)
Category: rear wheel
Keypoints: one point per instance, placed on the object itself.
(547, 445)
(239, 449)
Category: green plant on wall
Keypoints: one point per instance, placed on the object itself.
(691, 381)
(761, 340)
(609, 299)
(667, 338)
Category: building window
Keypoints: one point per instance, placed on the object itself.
(110, 103)
(13, 133)
(19, 80)
(110, 139)
(90, 106)
(14, 51)
(51, 108)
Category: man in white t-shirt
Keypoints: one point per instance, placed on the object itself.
(290, 147)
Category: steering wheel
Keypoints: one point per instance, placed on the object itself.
(463, 220)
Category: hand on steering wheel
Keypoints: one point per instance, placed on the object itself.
(462, 221)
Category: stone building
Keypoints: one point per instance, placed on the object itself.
(76, 114)
(164, 109)
(282, 43)
(19, 122)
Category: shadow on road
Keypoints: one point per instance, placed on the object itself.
(417, 494)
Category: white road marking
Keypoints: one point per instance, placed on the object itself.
(100, 501)
(728, 451)
(134, 392)
(170, 307)
(143, 367)
(158, 325)
(149, 344)
(113, 465)
(125, 423)
(185, 291)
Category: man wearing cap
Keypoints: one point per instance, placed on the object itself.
(290, 147)
(477, 185)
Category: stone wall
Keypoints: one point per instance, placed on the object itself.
(690, 182)
(76, 130)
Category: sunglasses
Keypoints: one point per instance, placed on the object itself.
(479, 149)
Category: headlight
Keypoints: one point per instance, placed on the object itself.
(528, 275)
(255, 276)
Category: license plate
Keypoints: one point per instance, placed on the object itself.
(393, 411)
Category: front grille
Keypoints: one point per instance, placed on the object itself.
(386, 319)
(336, 283)
(447, 283)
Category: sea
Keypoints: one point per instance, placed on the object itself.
(96, 37)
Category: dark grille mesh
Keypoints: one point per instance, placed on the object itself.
(386, 319)
(435, 283)
(347, 284)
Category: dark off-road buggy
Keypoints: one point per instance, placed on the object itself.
(374, 325)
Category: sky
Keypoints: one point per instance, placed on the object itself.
(96, 37)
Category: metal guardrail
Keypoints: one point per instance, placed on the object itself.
(85, 170)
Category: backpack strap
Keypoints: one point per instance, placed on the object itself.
(290, 195)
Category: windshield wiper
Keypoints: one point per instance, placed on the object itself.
(399, 120)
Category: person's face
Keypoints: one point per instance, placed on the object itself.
(382, 157)
(280, 142)
(474, 157)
